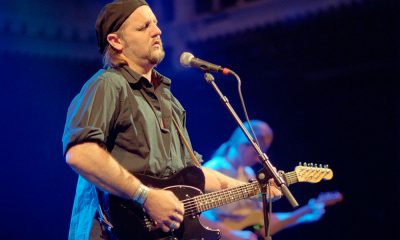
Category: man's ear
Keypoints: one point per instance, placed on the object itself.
(115, 41)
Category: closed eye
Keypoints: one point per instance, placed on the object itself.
(146, 25)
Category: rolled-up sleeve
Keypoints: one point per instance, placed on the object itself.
(91, 113)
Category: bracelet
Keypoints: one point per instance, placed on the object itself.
(141, 194)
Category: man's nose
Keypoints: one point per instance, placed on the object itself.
(156, 31)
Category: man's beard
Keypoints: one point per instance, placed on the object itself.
(155, 57)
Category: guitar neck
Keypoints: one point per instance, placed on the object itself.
(219, 198)
(290, 178)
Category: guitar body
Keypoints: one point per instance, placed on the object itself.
(130, 221)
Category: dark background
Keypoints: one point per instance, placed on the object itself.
(327, 83)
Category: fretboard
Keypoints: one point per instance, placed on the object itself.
(290, 177)
(216, 199)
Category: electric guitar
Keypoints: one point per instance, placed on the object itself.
(130, 221)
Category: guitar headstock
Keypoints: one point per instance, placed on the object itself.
(313, 173)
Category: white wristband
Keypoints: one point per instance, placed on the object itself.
(141, 194)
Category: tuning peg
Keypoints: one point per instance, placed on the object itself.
(320, 165)
(299, 163)
(326, 166)
(305, 164)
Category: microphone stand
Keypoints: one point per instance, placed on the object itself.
(268, 170)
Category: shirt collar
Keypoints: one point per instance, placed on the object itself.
(134, 77)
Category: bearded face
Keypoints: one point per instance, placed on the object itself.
(141, 38)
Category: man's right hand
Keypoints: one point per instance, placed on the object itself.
(165, 209)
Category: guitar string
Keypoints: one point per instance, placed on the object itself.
(194, 204)
(223, 192)
(227, 196)
(230, 195)
(316, 174)
(291, 175)
(228, 192)
(193, 207)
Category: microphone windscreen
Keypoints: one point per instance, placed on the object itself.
(185, 59)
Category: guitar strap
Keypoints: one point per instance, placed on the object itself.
(186, 143)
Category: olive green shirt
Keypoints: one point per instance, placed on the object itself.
(126, 114)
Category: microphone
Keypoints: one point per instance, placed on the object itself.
(188, 60)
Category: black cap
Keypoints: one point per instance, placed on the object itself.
(112, 16)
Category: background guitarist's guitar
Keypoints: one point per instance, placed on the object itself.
(132, 222)
(256, 218)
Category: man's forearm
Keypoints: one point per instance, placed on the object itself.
(282, 220)
(98, 167)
